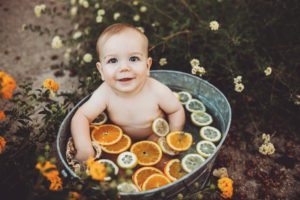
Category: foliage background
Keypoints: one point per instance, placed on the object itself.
(252, 36)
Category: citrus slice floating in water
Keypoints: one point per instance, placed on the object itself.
(127, 188)
(155, 181)
(148, 153)
(160, 127)
(162, 142)
(127, 160)
(194, 105)
(201, 118)
(119, 147)
(184, 97)
(107, 134)
(205, 148)
(191, 162)
(111, 168)
(101, 119)
(142, 174)
(179, 140)
(173, 170)
(210, 133)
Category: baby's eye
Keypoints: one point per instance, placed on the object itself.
(112, 60)
(134, 58)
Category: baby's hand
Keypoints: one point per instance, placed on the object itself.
(85, 155)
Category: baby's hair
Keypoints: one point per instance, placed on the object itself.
(115, 29)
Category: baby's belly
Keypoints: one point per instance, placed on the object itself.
(137, 133)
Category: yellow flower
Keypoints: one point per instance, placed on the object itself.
(268, 71)
(225, 184)
(195, 62)
(266, 137)
(50, 84)
(77, 35)
(116, 16)
(38, 9)
(73, 11)
(135, 3)
(73, 2)
(84, 3)
(2, 144)
(267, 149)
(214, 25)
(73, 196)
(143, 9)
(2, 116)
(101, 12)
(99, 19)
(136, 18)
(163, 61)
(239, 87)
(87, 58)
(237, 79)
(56, 42)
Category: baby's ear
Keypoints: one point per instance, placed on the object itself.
(149, 64)
(99, 67)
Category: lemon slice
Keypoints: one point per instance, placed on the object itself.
(127, 160)
(210, 133)
(127, 188)
(184, 97)
(162, 142)
(201, 118)
(205, 148)
(160, 127)
(194, 105)
(111, 168)
(191, 162)
(101, 119)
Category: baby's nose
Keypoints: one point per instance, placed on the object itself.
(124, 67)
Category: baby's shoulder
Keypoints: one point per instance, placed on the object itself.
(157, 86)
(102, 90)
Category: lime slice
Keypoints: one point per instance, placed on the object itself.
(201, 118)
(210, 133)
(111, 168)
(160, 127)
(127, 188)
(191, 162)
(101, 119)
(194, 105)
(184, 97)
(162, 142)
(205, 148)
(127, 160)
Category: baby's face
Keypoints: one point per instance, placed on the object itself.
(124, 64)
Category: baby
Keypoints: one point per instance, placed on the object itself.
(131, 98)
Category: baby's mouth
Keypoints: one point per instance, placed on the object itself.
(125, 79)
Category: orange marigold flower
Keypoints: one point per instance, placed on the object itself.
(74, 195)
(49, 170)
(96, 170)
(51, 85)
(7, 85)
(225, 184)
(56, 184)
(2, 116)
(2, 144)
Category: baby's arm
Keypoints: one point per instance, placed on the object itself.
(170, 104)
(85, 114)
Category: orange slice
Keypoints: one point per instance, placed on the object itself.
(173, 170)
(142, 174)
(155, 181)
(148, 153)
(107, 134)
(119, 147)
(179, 140)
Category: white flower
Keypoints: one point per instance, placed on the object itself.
(73, 2)
(77, 35)
(101, 12)
(214, 25)
(194, 70)
(237, 79)
(56, 42)
(267, 149)
(201, 70)
(87, 30)
(239, 87)
(141, 29)
(97, 5)
(163, 61)
(73, 11)
(143, 9)
(135, 3)
(136, 18)
(87, 58)
(67, 53)
(99, 19)
(266, 137)
(268, 71)
(195, 62)
(85, 4)
(38, 9)
(116, 15)
(297, 99)
(76, 26)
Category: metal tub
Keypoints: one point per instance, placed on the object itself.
(217, 105)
